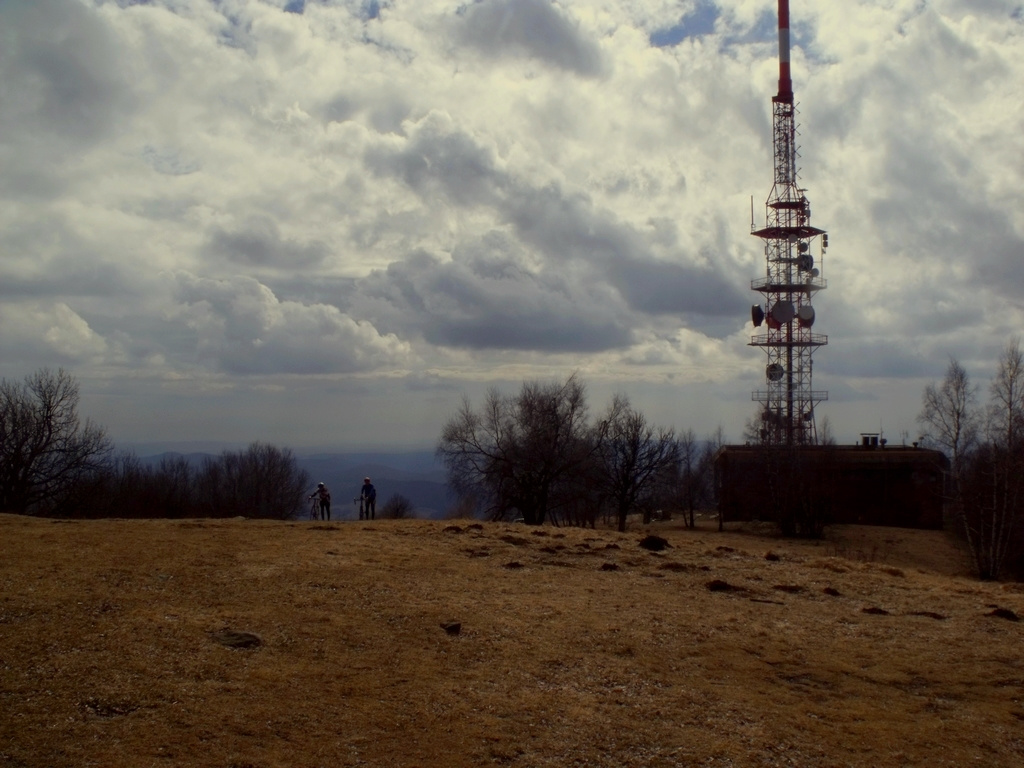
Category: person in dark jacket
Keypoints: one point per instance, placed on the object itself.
(322, 495)
(368, 500)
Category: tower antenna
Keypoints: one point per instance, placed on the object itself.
(788, 400)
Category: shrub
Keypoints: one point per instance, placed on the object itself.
(397, 508)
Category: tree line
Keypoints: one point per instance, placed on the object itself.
(985, 446)
(52, 463)
(539, 456)
(536, 455)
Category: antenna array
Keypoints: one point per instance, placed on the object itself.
(788, 399)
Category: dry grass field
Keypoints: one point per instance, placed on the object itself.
(574, 647)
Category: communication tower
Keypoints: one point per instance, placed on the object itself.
(788, 400)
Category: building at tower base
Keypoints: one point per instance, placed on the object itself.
(859, 484)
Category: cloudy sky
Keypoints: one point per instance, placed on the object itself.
(323, 222)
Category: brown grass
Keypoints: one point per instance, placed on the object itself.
(576, 647)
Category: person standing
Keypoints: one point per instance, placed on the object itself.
(368, 499)
(322, 495)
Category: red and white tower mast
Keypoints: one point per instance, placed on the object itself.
(792, 278)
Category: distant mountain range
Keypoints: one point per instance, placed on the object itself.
(416, 475)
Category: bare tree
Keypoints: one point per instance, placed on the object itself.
(690, 481)
(753, 430)
(949, 415)
(992, 482)
(44, 446)
(519, 453)
(1005, 425)
(633, 455)
(465, 508)
(121, 487)
(825, 436)
(990, 508)
(175, 492)
(263, 481)
(986, 457)
(708, 497)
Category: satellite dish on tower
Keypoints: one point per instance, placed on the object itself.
(757, 315)
(783, 312)
(774, 372)
(805, 316)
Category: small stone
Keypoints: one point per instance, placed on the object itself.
(717, 585)
(1004, 613)
(235, 639)
(451, 627)
(875, 611)
(654, 543)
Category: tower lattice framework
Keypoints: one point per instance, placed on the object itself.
(788, 400)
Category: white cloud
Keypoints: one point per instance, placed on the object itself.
(242, 328)
(52, 335)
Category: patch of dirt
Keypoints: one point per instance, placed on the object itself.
(404, 643)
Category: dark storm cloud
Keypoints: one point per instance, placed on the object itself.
(1001, 259)
(489, 297)
(438, 160)
(149, 335)
(543, 330)
(61, 87)
(661, 287)
(60, 72)
(930, 212)
(572, 228)
(339, 109)
(71, 278)
(46, 258)
(875, 357)
(566, 225)
(532, 28)
(259, 243)
(312, 288)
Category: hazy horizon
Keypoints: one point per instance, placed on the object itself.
(154, 448)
